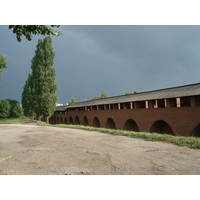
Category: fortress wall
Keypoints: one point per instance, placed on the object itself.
(180, 120)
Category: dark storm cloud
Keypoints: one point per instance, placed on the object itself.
(111, 58)
(139, 57)
(140, 45)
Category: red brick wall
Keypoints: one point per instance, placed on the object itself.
(182, 120)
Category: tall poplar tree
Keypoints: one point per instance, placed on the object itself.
(42, 81)
(27, 103)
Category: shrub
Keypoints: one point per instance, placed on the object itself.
(10, 108)
(4, 108)
(15, 108)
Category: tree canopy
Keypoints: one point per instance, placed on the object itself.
(102, 96)
(29, 30)
(10, 108)
(72, 101)
(15, 108)
(3, 63)
(4, 108)
(27, 98)
(134, 92)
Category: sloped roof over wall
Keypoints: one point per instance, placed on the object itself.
(181, 91)
(61, 108)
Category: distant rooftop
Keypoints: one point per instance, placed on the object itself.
(174, 92)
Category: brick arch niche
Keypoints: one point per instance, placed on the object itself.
(196, 131)
(85, 121)
(70, 120)
(161, 126)
(57, 121)
(130, 125)
(76, 120)
(110, 123)
(61, 120)
(96, 122)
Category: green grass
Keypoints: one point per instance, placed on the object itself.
(21, 120)
(191, 142)
(11, 121)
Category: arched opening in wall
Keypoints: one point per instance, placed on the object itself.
(196, 131)
(76, 120)
(96, 122)
(51, 120)
(131, 125)
(85, 121)
(57, 121)
(70, 120)
(110, 123)
(161, 127)
(65, 120)
(61, 120)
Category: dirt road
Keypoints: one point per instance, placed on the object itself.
(30, 149)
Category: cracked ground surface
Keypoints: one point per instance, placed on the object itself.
(35, 150)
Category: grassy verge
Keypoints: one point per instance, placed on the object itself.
(11, 121)
(21, 120)
(177, 140)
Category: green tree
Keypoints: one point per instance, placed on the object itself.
(4, 108)
(15, 108)
(102, 96)
(134, 92)
(27, 103)
(29, 30)
(42, 82)
(3, 63)
(72, 101)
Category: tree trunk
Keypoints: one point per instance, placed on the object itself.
(47, 119)
(39, 118)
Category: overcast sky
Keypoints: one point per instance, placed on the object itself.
(116, 59)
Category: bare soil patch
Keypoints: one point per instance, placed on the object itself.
(39, 150)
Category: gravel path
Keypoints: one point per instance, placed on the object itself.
(35, 150)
